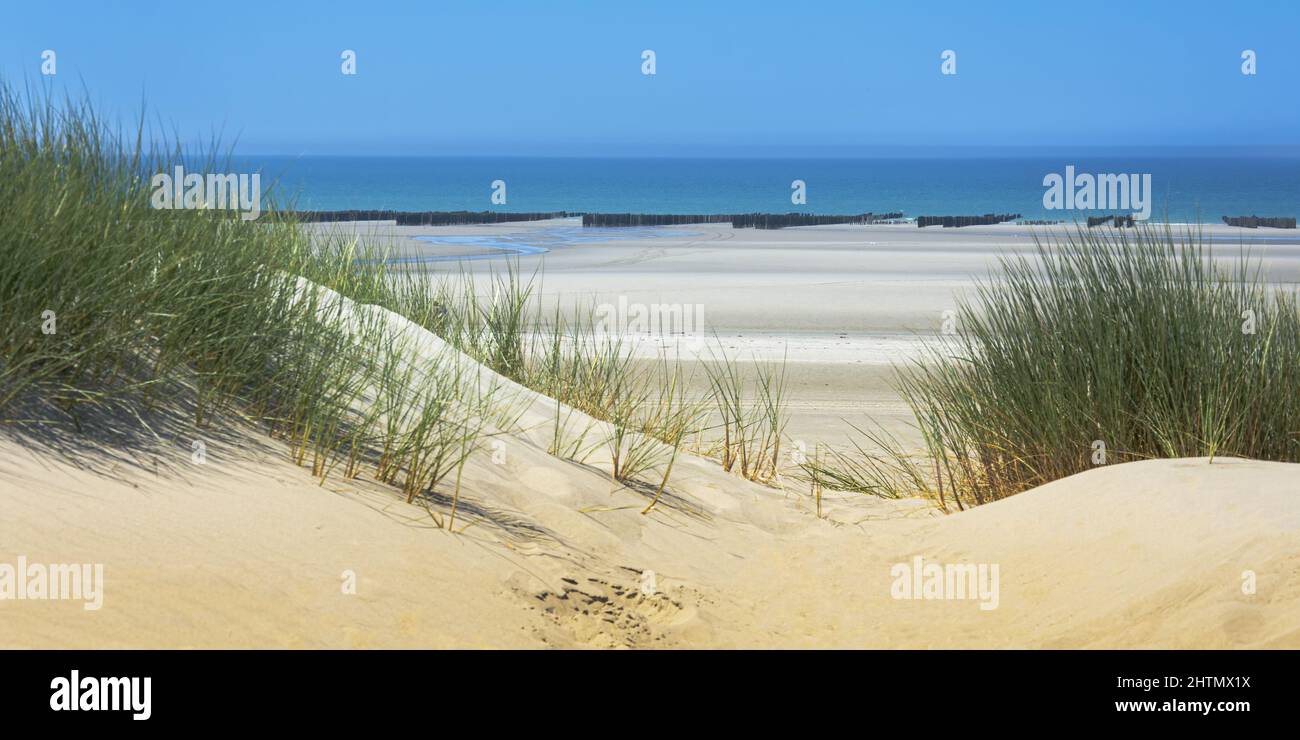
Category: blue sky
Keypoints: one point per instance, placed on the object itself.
(733, 78)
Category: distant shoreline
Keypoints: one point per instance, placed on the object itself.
(741, 220)
(1181, 189)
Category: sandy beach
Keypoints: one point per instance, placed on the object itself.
(249, 550)
(254, 555)
(842, 304)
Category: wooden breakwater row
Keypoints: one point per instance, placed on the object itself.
(429, 218)
(951, 222)
(1119, 221)
(1254, 222)
(737, 220)
(782, 220)
(456, 218)
(652, 219)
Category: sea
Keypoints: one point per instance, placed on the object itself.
(1186, 188)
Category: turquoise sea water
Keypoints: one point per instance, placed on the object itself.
(1186, 188)
(531, 242)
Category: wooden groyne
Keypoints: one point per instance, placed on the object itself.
(951, 222)
(782, 220)
(429, 218)
(1119, 221)
(457, 218)
(652, 219)
(1254, 222)
(737, 220)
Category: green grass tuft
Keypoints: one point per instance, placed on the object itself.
(1136, 341)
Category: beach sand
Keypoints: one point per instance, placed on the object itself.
(248, 550)
(842, 304)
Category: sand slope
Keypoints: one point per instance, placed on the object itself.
(249, 550)
(1143, 554)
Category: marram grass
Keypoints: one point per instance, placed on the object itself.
(1105, 347)
(111, 309)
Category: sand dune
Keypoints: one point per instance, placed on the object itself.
(247, 550)
(253, 554)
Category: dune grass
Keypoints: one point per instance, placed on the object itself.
(588, 370)
(752, 420)
(108, 305)
(1107, 346)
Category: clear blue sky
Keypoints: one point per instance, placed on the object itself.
(756, 77)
